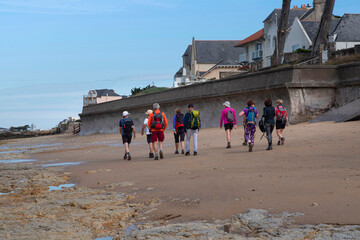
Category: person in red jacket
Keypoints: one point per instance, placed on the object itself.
(157, 122)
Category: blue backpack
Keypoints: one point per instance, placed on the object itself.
(250, 117)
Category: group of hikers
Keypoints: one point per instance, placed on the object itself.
(188, 125)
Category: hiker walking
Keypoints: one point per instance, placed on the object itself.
(192, 125)
(145, 128)
(281, 120)
(178, 127)
(126, 129)
(157, 123)
(228, 116)
(251, 114)
(268, 115)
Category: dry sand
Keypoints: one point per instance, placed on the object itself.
(316, 172)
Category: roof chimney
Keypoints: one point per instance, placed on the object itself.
(319, 6)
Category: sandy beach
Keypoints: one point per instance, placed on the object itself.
(316, 172)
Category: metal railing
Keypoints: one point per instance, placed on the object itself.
(257, 54)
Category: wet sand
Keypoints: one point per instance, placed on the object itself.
(316, 172)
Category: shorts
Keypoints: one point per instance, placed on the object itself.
(280, 124)
(179, 136)
(127, 138)
(228, 126)
(157, 135)
(148, 138)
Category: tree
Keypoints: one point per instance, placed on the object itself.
(281, 32)
(322, 36)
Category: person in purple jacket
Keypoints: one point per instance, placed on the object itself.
(228, 116)
(251, 114)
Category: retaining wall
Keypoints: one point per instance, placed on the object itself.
(307, 91)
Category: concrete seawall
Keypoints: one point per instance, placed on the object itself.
(307, 91)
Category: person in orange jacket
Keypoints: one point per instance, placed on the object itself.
(157, 122)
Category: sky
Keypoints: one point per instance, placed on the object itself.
(52, 52)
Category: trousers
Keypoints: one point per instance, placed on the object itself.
(189, 133)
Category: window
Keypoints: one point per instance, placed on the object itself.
(258, 46)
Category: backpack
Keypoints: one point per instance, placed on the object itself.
(157, 121)
(179, 121)
(230, 116)
(262, 125)
(250, 117)
(127, 126)
(194, 119)
(281, 115)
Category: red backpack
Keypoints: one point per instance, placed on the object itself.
(179, 121)
(281, 115)
(157, 121)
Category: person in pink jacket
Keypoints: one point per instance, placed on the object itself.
(228, 116)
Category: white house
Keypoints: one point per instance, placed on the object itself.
(343, 31)
(253, 47)
(302, 34)
(100, 96)
(271, 26)
(303, 13)
(347, 32)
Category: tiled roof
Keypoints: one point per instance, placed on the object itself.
(215, 51)
(259, 34)
(187, 55)
(312, 27)
(292, 15)
(179, 73)
(103, 92)
(348, 28)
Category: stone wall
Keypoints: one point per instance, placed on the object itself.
(307, 91)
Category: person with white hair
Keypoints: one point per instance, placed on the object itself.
(126, 129)
(148, 133)
(228, 116)
(157, 123)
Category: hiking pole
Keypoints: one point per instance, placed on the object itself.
(263, 136)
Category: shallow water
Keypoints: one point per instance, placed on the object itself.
(131, 228)
(6, 193)
(61, 164)
(61, 186)
(105, 238)
(17, 161)
(14, 151)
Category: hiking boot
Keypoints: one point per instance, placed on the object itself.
(269, 147)
(278, 143)
(151, 155)
(125, 156)
(182, 151)
(244, 143)
(251, 145)
(187, 154)
(195, 153)
(176, 152)
(282, 141)
(161, 155)
(129, 157)
(156, 157)
(228, 145)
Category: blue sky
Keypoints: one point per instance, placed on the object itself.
(53, 51)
